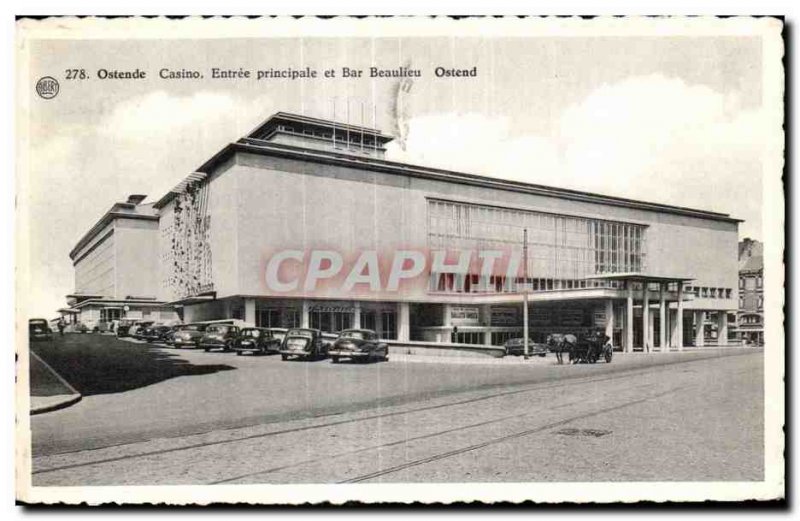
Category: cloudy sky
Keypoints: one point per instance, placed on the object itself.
(675, 120)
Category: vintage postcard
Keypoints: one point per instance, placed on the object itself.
(412, 260)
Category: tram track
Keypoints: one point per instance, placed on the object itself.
(502, 439)
(527, 388)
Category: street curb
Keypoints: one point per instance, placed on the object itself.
(69, 399)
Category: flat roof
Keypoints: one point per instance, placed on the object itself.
(117, 211)
(121, 302)
(407, 169)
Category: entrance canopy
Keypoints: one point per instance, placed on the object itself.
(639, 277)
(195, 299)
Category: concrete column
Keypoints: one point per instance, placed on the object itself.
(356, 315)
(646, 336)
(304, 318)
(403, 322)
(722, 328)
(250, 311)
(673, 327)
(629, 319)
(679, 317)
(610, 318)
(662, 317)
(699, 325)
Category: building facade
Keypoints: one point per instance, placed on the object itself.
(115, 266)
(303, 222)
(750, 316)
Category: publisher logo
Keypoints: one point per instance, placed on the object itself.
(47, 87)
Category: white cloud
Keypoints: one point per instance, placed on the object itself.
(652, 138)
(145, 144)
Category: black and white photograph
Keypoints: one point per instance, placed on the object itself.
(304, 260)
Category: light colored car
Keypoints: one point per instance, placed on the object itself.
(188, 335)
(219, 336)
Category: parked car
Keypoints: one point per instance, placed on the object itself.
(124, 327)
(360, 345)
(278, 332)
(137, 330)
(156, 333)
(257, 340)
(219, 336)
(188, 335)
(39, 329)
(304, 343)
(516, 347)
(169, 337)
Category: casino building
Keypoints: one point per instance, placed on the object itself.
(650, 275)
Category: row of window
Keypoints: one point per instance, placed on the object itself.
(706, 292)
(747, 302)
(94, 273)
(559, 246)
(355, 137)
(329, 319)
(473, 283)
(751, 283)
(750, 320)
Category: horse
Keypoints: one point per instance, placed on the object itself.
(558, 343)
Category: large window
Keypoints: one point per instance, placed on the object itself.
(330, 319)
(109, 314)
(285, 317)
(562, 250)
(383, 321)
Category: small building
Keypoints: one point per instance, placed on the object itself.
(750, 316)
(116, 269)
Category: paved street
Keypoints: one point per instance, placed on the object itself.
(152, 415)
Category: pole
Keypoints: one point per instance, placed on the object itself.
(362, 126)
(334, 123)
(525, 292)
(375, 128)
(347, 112)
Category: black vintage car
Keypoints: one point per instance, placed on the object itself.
(138, 329)
(219, 336)
(188, 335)
(156, 333)
(39, 329)
(516, 347)
(359, 345)
(169, 336)
(304, 343)
(258, 340)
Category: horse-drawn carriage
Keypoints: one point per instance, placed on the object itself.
(586, 348)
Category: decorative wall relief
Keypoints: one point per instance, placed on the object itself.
(189, 242)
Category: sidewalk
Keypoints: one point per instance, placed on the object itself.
(49, 391)
(550, 359)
